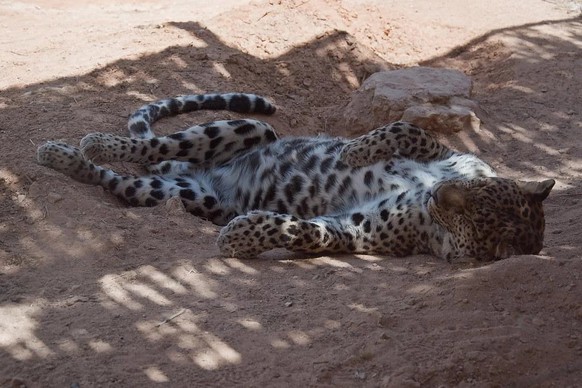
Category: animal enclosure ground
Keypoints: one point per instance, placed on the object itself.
(98, 294)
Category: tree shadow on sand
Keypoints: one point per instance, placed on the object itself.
(121, 301)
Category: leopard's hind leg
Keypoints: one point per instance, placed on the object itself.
(140, 122)
(195, 192)
(201, 145)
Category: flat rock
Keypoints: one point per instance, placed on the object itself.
(434, 99)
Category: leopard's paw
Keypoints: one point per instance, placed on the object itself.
(68, 160)
(57, 155)
(249, 235)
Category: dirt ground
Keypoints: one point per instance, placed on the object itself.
(93, 293)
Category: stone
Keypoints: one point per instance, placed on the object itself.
(435, 99)
(54, 197)
(444, 119)
(173, 207)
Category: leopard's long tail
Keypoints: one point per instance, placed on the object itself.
(140, 122)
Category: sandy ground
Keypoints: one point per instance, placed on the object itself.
(93, 293)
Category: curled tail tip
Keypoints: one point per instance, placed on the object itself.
(263, 105)
(140, 121)
(269, 110)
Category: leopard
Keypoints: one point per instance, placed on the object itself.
(394, 191)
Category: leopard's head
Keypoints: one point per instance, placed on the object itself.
(491, 218)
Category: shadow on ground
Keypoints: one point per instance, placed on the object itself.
(106, 295)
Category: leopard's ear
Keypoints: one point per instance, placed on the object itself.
(539, 190)
(451, 197)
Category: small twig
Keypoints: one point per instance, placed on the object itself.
(28, 178)
(45, 213)
(265, 14)
(300, 4)
(566, 194)
(172, 317)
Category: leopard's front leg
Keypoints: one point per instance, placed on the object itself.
(383, 228)
(400, 138)
(259, 231)
(247, 236)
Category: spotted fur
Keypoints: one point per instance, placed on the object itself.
(394, 191)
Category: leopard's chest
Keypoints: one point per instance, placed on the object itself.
(313, 182)
(306, 177)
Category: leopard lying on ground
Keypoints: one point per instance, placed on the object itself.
(394, 191)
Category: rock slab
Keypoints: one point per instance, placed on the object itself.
(435, 99)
